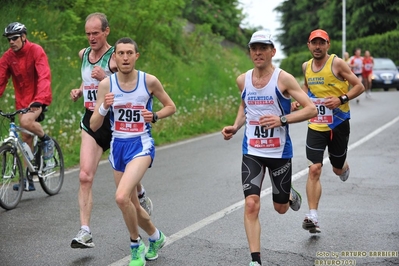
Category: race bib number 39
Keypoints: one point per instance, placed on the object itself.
(261, 137)
(324, 115)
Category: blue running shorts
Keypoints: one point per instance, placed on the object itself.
(123, 151)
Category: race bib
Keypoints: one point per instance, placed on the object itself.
(128, 118)
(262, 138)
(90, 96)
(324, 115)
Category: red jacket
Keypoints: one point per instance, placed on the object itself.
(30, 72)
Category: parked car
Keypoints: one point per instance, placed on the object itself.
(385, 74)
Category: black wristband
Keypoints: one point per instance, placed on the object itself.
(344, 99)
(154, 117)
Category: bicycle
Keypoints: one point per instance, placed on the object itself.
(51, 176)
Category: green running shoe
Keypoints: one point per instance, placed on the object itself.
(155, 246)
(138, 255)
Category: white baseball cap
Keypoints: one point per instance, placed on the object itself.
(261, 36)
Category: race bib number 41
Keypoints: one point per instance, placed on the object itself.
(90, 96)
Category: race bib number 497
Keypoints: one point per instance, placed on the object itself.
(261, 137)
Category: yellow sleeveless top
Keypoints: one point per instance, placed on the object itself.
(322, 84)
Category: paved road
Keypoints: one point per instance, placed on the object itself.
(195, 187)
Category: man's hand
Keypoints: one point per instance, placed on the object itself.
(147, 115)
(332, 102)
(108, 100)
(269, 121)
(76, 94)
(98, 73)
(295, 106)
(228, 132)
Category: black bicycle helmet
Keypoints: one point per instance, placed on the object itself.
(14, 28)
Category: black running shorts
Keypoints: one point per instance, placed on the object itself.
(103, 135)
(336, 140)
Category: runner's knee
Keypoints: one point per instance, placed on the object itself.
(252, 205)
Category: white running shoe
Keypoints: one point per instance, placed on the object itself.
(345, 175)
(146, 203)
(311, 224)
(83, 239)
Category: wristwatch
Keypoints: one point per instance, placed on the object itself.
(154, 117)
(283, 120)
(343, 98)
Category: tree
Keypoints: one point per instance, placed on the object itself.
(363, 18)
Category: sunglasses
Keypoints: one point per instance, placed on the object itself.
(14, 38)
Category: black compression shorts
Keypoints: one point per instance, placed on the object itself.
(103, 135)
(253, 171)
(336, 140)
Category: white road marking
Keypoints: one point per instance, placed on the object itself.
(220, 214)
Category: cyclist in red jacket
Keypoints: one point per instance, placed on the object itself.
(27, 64)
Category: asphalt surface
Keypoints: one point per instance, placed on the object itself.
(196, 190)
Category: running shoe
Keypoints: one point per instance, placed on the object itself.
(27, 187)
(296, 200)
(254, 263)
(345, 175)
(311, 224)
(155, 246)
(48, 149)
(138, 254)
(146, 203)
(83, 239)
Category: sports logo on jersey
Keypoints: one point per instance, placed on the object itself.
(260, 100)
(316, 81)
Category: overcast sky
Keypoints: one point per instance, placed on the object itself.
(260, 13)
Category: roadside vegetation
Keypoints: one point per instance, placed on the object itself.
(194, 64)
(194, 68)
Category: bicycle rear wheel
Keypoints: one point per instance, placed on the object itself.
(11, 173)
(52, 179)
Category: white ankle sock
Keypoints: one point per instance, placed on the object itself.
(85, 227)
(155, 236)
(313, 213)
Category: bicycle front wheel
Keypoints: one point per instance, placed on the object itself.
(52, 179)
(11, 175)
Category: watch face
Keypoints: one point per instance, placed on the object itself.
(283, 119)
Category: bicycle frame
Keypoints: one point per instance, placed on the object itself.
(16, 141)
(50, 172)
(14, 138)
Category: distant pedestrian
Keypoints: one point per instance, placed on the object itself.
(356, 63)
(367, 73)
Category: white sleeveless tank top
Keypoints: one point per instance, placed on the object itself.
(126, 118)
(258, 141)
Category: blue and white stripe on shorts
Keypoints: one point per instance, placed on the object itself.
(124, 150)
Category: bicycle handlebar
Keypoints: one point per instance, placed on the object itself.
(13, 114)
(20, 111)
